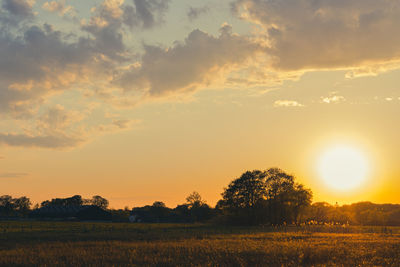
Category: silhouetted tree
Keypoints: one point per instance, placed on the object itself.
(198, 208)
(286, 199)
(6, 205)
(22, 205)
(244, 197)
(10, 206)
(99, 202)
(70, 201)
(159, 204)
(269, 196)
(194, 199)
(246, 191)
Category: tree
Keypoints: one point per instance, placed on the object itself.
(159, 204)
(245, 192)
(269, 196)
(10, 206)
(74, 201)
(301, 199)
(244, 197)
(6, 205)
(70, 201)
(195, 200)
(278, 183)
(319, 212)
(286, 198)
(198, 208)
(22, 205)
(279, 186)
(99, 202)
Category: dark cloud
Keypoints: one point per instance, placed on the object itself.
(13, 12)
(188, 65)
(145, 13)
(111, 17)
(34, 62)
(37, 60)
(21, 8)
(195, 12)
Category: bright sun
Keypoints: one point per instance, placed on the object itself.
(343, 167)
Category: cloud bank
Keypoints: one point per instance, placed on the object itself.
(187, 65)
(98, 63)
(325, 34)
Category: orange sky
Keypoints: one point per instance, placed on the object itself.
(144, 106)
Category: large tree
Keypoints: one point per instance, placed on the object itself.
(244, 196)
(270, 196)
(99, 202)
(286, 199)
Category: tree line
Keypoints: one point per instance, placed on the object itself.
(266, 197)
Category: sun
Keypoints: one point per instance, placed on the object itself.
(343, 167)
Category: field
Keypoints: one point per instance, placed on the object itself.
(107, 244)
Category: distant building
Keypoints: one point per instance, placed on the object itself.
(134, 218)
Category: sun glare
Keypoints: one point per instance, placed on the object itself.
(343, 167)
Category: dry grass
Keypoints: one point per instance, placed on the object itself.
(103, 244)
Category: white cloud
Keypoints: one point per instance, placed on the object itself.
(332, 99)
(287, 103)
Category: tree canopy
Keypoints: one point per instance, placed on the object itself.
(270, 196)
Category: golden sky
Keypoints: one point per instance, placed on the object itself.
(148, 100)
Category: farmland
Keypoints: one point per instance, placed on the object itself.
(105, 244)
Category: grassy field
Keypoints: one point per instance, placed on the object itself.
(108, 244)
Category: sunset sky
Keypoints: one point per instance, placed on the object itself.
(145, 100)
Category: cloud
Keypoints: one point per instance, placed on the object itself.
(196, 12)
(14, 12)
(110, 19)
(38, 61)
(188, 65)
(21, 8)
(24, 140)
(146, 13)
(325, 34)
(122, 124)
(13, 174)
(59, 121)
(287, 103)
(333, 99)
(60, 128)
(59, 7)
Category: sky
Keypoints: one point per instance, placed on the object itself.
(147, 100)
